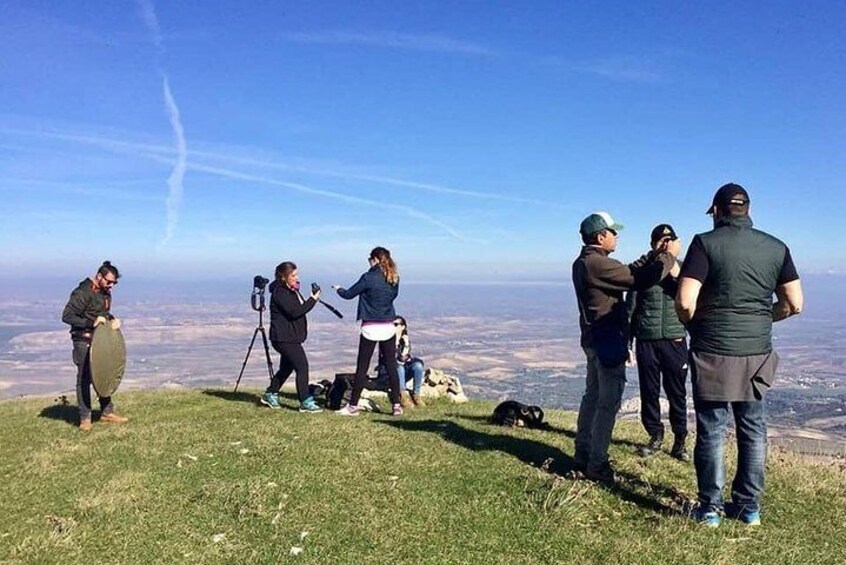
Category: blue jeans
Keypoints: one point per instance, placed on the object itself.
(709, 454)
(598, 411)
(416, 369)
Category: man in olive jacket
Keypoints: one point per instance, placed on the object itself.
(599, 283)
(89, 306)
(725, 297)
(661, 351)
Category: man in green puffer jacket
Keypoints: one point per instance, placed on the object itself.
(661, 351)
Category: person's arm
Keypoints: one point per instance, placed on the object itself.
(790, 300)
(288, 303)
(353, 291)
(74, 312)
(789, 291)
(686, 298)
(694, 272)
(404, 348)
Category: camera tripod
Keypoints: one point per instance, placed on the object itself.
(257, 301)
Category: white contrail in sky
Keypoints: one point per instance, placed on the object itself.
(174, 181)
(217, 156)
(148, 12)
(177, 175)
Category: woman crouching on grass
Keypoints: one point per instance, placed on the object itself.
(376, 290)
(288, 332)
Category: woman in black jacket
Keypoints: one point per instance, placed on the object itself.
(288, 332)
(376, 291)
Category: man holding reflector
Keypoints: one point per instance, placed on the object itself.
(88, 314)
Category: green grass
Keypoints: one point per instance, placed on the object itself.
(208, 477)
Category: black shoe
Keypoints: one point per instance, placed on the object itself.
(679, 450)
(651, 448)
(603, 475)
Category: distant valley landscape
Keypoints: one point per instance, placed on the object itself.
(504, 341)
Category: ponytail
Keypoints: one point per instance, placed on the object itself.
(386, 264)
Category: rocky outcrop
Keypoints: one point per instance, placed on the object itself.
(439, 384)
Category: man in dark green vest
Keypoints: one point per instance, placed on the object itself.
(725, 297)
(661, 351)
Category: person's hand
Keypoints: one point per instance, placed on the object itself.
(100, 320)
(674, 247)
(630, 359)
(316, 295)
(115, 324)
(336, 287)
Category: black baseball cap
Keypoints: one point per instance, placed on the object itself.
(661, 231)
(730, 194)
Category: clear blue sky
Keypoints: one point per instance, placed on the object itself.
(217, 138)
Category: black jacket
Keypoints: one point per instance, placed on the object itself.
(288, 312)
(83, 308)
(376, 296)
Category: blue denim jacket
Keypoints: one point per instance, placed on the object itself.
(375, 296)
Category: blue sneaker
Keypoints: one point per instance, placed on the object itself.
(743, 513)
(309, 405)
(705, 516)
(270, 399)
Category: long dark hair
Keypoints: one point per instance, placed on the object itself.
(389, 268)
(284, 269)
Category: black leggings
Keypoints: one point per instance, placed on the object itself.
(292, 358)
(388, 351)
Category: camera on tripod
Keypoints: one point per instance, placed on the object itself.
(257, 302)
(257, 296)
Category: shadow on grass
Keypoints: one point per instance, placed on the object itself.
(538, 454)
(526, 450)
(62, 410)
(240, 396)
(487, 420)
(252, 397)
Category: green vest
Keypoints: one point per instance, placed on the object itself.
(655, 315)
(734, 312)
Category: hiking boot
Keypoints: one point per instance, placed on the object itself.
(349, 410)
(397, 410)
(679, 450)
(405, 400)
(743, 513)
(85, 425)
(653, 447)
(309, 405)
(705, 516)
(417, 400)
(113, 418)
(603, 475)
(270, 399)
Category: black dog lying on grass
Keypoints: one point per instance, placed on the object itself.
(512, 413)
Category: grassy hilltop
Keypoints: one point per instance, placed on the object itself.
(208, 477)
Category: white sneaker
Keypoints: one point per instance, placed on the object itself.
(349, 410)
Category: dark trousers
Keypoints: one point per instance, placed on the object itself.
(388, 352)
(292, 357)
(82, 360)
(665, 358)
